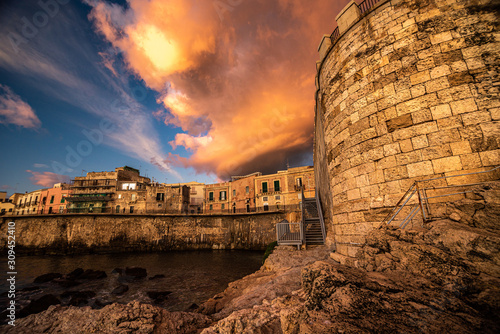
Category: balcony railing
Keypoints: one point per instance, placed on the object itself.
(270, 190)
(88, 198)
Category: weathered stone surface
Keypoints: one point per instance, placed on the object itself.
(77, 234)
(131, 318)
(435, 87)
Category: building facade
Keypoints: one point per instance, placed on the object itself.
(243, 193)
(53, 200)
(27, 204)
(102, 192)
(217, 198)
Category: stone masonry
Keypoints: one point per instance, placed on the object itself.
(408, 91)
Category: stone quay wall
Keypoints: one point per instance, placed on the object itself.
(103, 233)
(408, 91)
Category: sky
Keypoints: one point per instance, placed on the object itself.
(184, 90)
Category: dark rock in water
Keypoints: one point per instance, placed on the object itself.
(120, 290)
(93, 274)
(75, 274)
(66, 283)
(98, 304)
(78, 298)
(117, 271)
(30, 288)
(158, 296)
(157, 276)
(136, 272)
(193, 307)
(47, 277)
(86, 294)
(39, 305)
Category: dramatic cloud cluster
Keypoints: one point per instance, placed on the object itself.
(236, 76)
(13, 110)
(47, 179)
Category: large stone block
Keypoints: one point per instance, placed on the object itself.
(447, 164)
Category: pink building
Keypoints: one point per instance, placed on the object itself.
(53, 200)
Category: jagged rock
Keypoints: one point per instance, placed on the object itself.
(75, 274)
(47, 277)
(91, 274)
(116, 318)
(120, 289)
(39, 305)
(158, 296)
(78, 298)
(136, 272)
(66, 283)
(157, 277)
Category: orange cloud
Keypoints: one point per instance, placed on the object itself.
(13, 110)
(238, 78)
(47, 179)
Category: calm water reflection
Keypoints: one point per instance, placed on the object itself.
(192, 276)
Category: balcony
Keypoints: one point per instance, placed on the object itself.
(270, 191)
(88, 198)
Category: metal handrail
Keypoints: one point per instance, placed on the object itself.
(423, 198)
(320, 212)
(286, 235)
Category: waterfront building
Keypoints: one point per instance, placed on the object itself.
(167, 198)
(27, 204)
(196, 197)
(217, 198)
(53, 200)
(243, 193)
(7, 207)
(97, 192)
(284, 189)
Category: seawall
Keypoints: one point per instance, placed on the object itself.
(102, 233)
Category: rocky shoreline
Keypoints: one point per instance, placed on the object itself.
(441, 278)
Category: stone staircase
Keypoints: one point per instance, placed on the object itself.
(314, 232)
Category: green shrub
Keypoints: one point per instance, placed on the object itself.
(269, 250)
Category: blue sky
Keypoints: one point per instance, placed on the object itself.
(205, 91)
(57, 71)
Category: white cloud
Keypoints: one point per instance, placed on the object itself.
(13, 110)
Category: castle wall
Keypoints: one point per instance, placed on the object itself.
(408, 92)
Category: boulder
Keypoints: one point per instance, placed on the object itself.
(47, 277)
(120, 289)
(39, 305)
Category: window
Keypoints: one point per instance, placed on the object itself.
(129, 186)
(131, 209)
(119, 196)
(266, 207)
(277, 185)
(51, 199)
(234, 192)
(264, 198)
(211, 196)
(264, 187)
(223, 206)
(248, 208)
(160, 196)
(247, 189)
(61, 209)
(50, 210)
(222, 196)
(299, 182)
(211, 207)
(63, 199)
(133, 197)
(36, 200)
(117, 209)
(277, 198)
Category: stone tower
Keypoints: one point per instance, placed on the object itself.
(406, 90)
